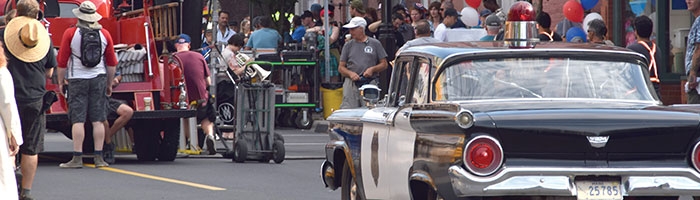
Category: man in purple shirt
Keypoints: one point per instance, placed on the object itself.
(197, 80)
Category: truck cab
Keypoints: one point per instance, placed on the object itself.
(145, 74)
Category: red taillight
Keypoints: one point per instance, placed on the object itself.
(483, 155)
(695, 156)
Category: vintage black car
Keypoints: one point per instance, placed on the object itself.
(494, 120)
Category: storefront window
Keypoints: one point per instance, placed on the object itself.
(635, 8)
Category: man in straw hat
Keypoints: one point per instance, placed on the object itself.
(30, 60)
(86, 85)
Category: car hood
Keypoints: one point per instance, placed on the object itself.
(565, 127)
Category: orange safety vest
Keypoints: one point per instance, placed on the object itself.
(653, 73)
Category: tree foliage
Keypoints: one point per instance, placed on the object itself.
(285, 8)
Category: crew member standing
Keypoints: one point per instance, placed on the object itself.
(30, 60)
(361, 61)
(87, 55)
(643, 26)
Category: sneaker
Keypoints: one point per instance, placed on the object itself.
(26, 197)
(108, 153)
(99, 162)
(76, 162)
(133, 148)
(211, 147)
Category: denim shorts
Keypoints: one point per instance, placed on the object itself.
(86, 99)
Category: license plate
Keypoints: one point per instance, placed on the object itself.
(599, 190)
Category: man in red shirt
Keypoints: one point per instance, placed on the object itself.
(87, 85)
(197, 80)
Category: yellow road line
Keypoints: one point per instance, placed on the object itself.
(191, 184)
(169, 180)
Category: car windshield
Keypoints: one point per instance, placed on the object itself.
(541, 78)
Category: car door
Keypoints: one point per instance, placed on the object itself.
(379, 175)
(402, 137)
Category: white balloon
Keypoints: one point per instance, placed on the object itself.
(469, 16)
(590, 17)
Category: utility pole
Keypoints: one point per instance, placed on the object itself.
(386, 37)
(214, 52)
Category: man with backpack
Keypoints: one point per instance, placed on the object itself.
(87, 56)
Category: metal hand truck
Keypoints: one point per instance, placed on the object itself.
(255, 137)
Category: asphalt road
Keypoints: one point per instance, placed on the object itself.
(194, 177)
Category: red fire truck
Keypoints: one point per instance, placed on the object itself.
(156, 124)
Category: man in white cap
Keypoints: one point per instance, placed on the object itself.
(361, 61)
(87, 54)
(30, 60)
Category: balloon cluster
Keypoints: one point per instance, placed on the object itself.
(470, 16)
(573, 9)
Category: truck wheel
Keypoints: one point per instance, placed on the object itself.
(278, 151)
(240, 153)
(146, 138)
(302, 123)
(170, 142)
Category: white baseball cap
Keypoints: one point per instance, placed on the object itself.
(356, 22)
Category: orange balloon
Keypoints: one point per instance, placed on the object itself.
(573, 11)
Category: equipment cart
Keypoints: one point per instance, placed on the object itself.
(297, 92)
(255, 116)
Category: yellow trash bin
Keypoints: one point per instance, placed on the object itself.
(332, 98)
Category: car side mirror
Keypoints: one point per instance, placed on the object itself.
(370, 94)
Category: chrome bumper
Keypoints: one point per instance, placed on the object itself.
(560, 181)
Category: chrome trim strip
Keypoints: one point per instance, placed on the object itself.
(553, 181)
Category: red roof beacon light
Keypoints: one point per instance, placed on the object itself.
(521, 29)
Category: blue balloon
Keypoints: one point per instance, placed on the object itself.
(588, 4)
(576, 34)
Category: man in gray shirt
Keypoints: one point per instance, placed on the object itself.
(422, 36)
(361, 61)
